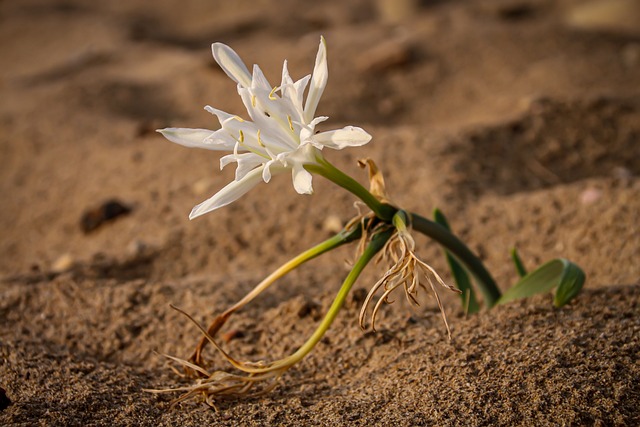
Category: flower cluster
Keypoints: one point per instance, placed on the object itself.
(280, 135)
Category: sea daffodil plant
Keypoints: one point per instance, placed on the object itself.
(279, 135)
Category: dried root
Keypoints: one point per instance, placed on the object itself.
(216, 385)
(406, 271)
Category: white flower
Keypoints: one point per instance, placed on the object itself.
(280, 135)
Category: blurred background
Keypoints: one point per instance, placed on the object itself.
(467, 101)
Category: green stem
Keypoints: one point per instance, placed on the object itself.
(345, 236)
(382, 210)
(377, 243)
(462, 253)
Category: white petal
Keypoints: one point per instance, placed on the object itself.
(259, 81)
(318, 82)
(271, 116)
(349, 136)
(246, 162)
(286, 79)
(225, 160)
(221, 115)
(302, 179)
(199, 138)
(266, 171)
(237, 128)
(317, 120)
(256, 111)
(294, 91)
(231, 64)
(229, 194)
(300, 86)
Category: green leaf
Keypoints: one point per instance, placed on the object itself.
(469, 301)
(560, 273)
(522, 271)
(571, 283)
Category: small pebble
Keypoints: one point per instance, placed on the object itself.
(201, 186)
(590, 195)
(107, 211)
(136, 247)
(332, 224)
(63, 263)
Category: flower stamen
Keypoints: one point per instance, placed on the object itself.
(260, 143)
(272, 94)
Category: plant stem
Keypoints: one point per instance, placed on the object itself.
(377, 243)
(345, 236)
(462, 253)
(382, 210)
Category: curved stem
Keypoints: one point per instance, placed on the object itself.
(462, 253)
(345, 236)
(377, 243)
(382, 210)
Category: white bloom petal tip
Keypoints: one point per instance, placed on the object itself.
(198, 138)
(229, 194)
(231, 64)
(318, 81)
(302, 180)
(349, 136)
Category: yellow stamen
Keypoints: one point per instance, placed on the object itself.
(290, 123)
(253, 101)
(271, 95)
(241, 136)
(238, 118)
(259, 140)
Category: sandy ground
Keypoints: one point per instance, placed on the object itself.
(519, 119)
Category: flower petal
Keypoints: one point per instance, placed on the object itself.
(272, 133)
(300, 86)
(259, 81)
(349, 136)
(302, 179)
(221, 115)
(238, 129)
(229, 194)
(318, 82)
(231, 64)
(266, 171)
(294, 91)
(199, 138)
(246, 162)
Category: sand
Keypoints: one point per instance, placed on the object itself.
(520, 120)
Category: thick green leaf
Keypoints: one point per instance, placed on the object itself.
(571, 283)
(463, 282)
(560, 273)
